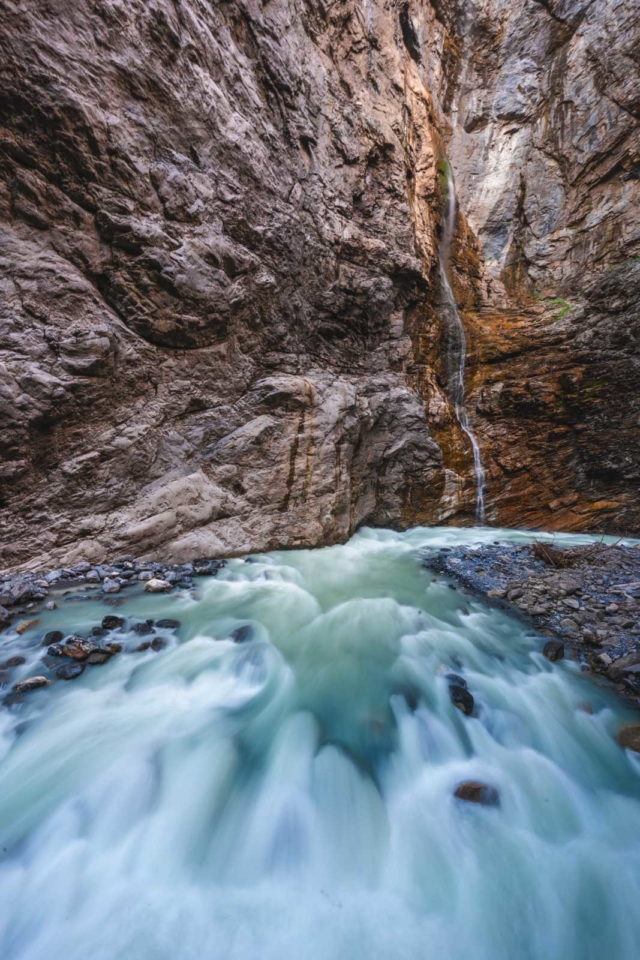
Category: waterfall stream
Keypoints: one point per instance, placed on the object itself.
(456, 341)
(292, 795)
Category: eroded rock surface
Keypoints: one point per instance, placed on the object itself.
(218, 273)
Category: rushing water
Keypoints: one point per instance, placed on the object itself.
(292, 796)
(455, 346)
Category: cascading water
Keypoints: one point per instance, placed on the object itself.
(456, 341)
(292, 796)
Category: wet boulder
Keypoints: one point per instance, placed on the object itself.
(112, 648)
(157, 586)
(553, 650)
(98, 657)
(31, 683)
(112, 622)
(144, 628)
(77, 648)
(167, 624)
(461, 699)
(25, 625)
(474, 791)
(629, 737)
(242, 634)
(53, 636)
(158, 644)
(69, 671)
(56, 650)
(456, 679)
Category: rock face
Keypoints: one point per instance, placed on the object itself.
(219, 285)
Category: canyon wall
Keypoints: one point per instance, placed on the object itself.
(219, 294)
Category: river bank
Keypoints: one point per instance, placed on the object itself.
(585, 595)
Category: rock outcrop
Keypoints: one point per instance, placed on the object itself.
(219, 289)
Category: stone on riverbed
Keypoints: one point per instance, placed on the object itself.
(53, 636)
(31, 683)
(98, 657)
(241, 634)
(25, 625)
(167, 624)
(12, 662)
(69, 671)
(473, 791)
(461, 698)
(553, 650)
(77, 648)
(112, 623)
(157, 586)
(112, 648)
(629, 737)
(5, 618)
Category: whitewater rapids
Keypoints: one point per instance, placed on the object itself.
(292, 796)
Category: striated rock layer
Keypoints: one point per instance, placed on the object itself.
(219, 270)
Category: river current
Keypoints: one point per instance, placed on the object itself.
(291, 796)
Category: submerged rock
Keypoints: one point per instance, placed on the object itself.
(167, 624)
(12, 662)
(553, 650)
(473, 791)
(69, 671)
(242, 634)
(31, 683)
(462, 699)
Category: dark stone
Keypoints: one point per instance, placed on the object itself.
(98, 631)
(553, 650)
(144, 628)
(242, 634)
(158, 644)
(12, 662)
(475, 792)
(56, 650)
(462, 699)
(144, 646)
(54, 636)
(31, 683)
(69, 671)
(112, 648)
(98, 657)
(167, 624)
(456, 679)
(112, 623)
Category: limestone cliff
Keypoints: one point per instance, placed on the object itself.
(219, 290)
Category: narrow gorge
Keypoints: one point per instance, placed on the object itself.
(224, 326)
(319, 479)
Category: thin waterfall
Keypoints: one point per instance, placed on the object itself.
(456, 341)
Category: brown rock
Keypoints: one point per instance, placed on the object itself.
(629, 737)
(473, 791)
(25, 625)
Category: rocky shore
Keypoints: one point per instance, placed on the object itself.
(586, 597)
